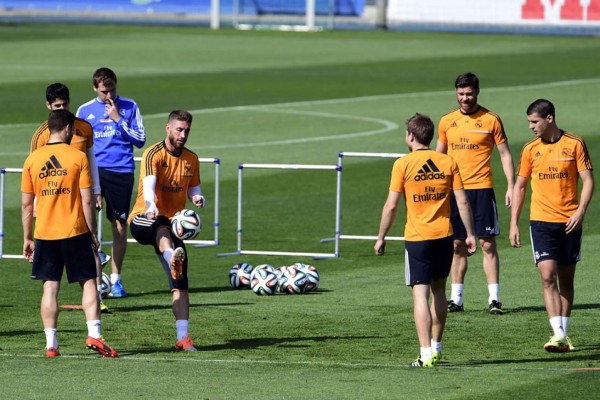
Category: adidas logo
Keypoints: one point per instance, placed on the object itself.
(89, 117)
(52, 168)
(429, 171)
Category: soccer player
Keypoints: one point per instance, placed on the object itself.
(426, 178)
(58, 175)
(554, 160)
(58, 98)
(469, 134)
(117, 124)
(169, 174)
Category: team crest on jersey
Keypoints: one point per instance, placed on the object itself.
(567, 152)
(478, 124)
(429, 171)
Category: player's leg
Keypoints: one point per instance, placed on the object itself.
(47, 266)
(459, 259)
(486, 228)
(418, 265)
(80, 264)
(553, 302)
(117, 189)
(546, 241)
(423, 322)
(491, 267)
(49, 312)
(441, 256)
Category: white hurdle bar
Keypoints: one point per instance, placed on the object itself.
(240, 251)
(196, 243)
(2, 176)
(341, 156)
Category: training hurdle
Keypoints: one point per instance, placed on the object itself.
(195, 243)
(241, 251)
(5, 171)
(341, 156)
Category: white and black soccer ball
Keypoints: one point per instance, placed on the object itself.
(186, 224)
(268, 267)
(239, 275)
(292, 280)
(105, 285)
(313, 278)
(264, 281)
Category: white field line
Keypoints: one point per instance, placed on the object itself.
(387, 124)
(327, 364)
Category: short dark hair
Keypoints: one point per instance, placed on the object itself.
(541, 107)
(57, 91)
(468, 79)
(180, 115)
(422, 127)
(105, 76)
(59, 119)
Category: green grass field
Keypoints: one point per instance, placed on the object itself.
(265, 97)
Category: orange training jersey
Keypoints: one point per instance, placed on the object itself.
(55, 173)
(554, 172)
(426, 178)
(174, 175)
(83, 136)
(470, 139)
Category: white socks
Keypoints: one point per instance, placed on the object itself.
(493, 290)
(94, 328)
(115, 278)
(457, 293)
(458, 289)
(182, 328)
(51, 338)
(168, 255)
(557, 326)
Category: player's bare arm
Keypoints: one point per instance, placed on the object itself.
(27, 222)
(466, 215)
(518, 199)
(509, 171)
(575, 222)
(388, 215)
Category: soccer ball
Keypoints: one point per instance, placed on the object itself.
(239, 275)
(186, 224)
(312, 276)
(268, 267)
(105, 285)
(292, 280)
(264, 281)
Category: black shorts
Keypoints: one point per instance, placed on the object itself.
(143, 230)
(117, 189)
(75, 254)
(427, 260)
(485, 214)
(550, 242)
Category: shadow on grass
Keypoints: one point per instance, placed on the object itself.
(581, 354)
(588, 306)
(246, 344)
(151, 307)
(34, 332)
